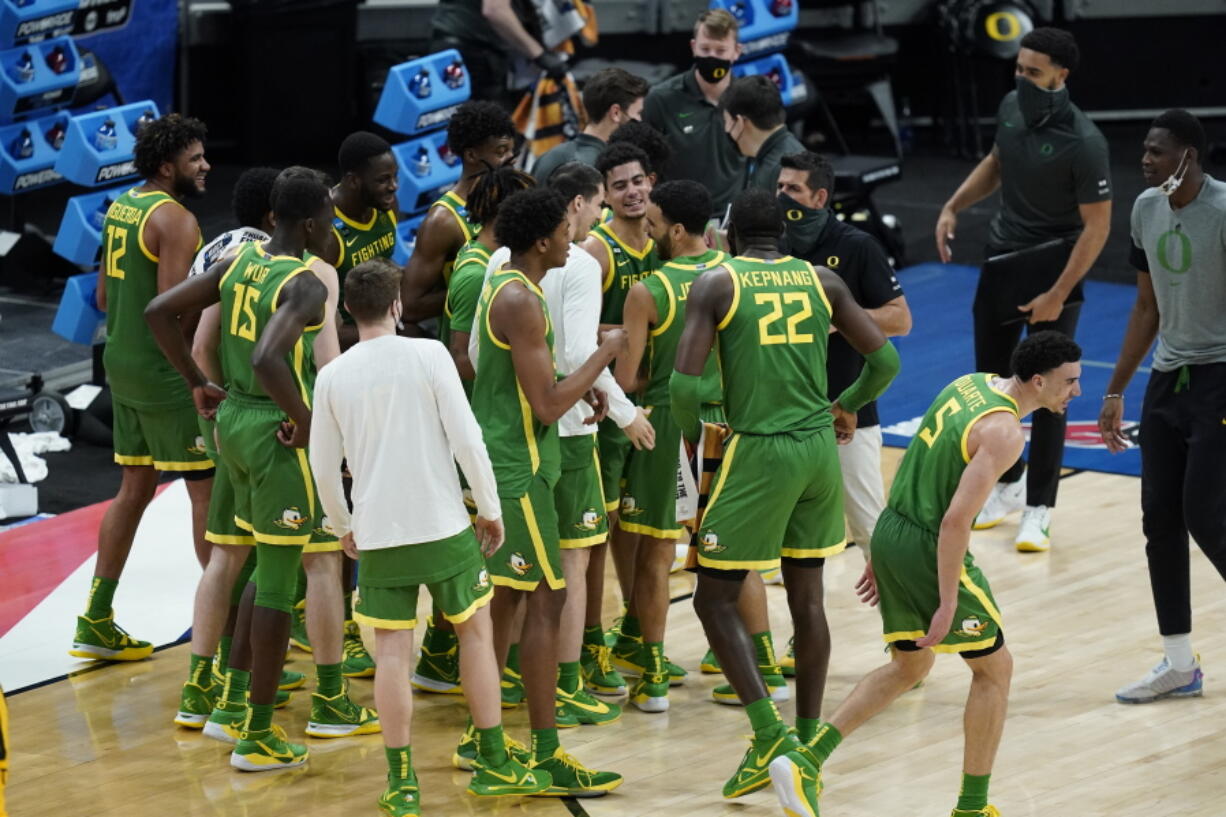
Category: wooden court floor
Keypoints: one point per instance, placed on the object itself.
(1079, 622)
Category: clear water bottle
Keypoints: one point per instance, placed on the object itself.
(145, 118)
(419, 85)
(453, 75)
(98, 217)
(449, 158)
(23, 146)
(906, 129)
(55, 135)
(57, 60)
(23, 71)
(106, 138)
(421, 165)
(742, 12)
(781, 8)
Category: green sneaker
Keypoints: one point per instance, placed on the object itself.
(297, 628)
(282, 699)
(401, 799)
(289, 680)
(340, 717)
(465, 755)
(357, 662)
(798, 784)
(572, 779)
(710, 664)
(598, 672)
(104, 640)
(676, 674)
(226, 722)
(612, 634)
(512, 688)
(265, 750)
(438, 669)
(986, 811)
(787, 664)
(511, 779)
(649, 692)
(196, 704)
(754, 771)
(627, 656)
(776, 685)
(563, 716)
(586, 709)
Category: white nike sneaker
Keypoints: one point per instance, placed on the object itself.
(1032, 533)
(1164, 681)
(679, 557)
(1006, 498)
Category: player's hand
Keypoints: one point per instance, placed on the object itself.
(349, 546)
(1043, 308)
(640, 431)
(844, 423)
(946, 223)
(294, 435)
(615, 340)
(1110, 425)
(938, 628)
(866, 586)
(207, 397)
(598, 402)
(489, 534)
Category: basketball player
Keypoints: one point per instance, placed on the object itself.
(654, 317)
(515, 356)
(421, 536)
(272, 306)
(148, 242)
(481, 136)
(777, 493)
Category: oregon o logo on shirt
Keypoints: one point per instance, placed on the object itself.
(1165, 250)
(832, 262)
(1046, 149)
(1002, 26)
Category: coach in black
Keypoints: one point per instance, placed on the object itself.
(1050, 164)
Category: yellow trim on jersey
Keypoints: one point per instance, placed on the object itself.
(982, 597)
(610, 506)
(277, 539)
(966, 432)
(720, 258)
(538, 544)
(525, 410)
(611, 273)
(914, 635)
(244, 524)
(357, 225)
(736, 300)
(647, 530)
(489, 307)
(814, 553)
(308, 481)
(907, 635)
(663, 325)
(194, 465)
(228, 539)
(299, 361)
(233, 264)
(140, 228)
(340, 259)
(719, 564)
(514, 584)
(471, 610)
(142, 459)
(638, 255)
(821, 290)
(385, 623)
(450, 208)
(276, 295)
(585, 542)
(322, 547)
(1005, 395)
(724, 468)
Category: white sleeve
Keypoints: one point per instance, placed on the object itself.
(327, 452)
(582, 313)
(463, 433)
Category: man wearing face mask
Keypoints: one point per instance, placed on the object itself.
(1179, 250)
(754, 120)
(685, 109)
(1050, 163)
(612, 97)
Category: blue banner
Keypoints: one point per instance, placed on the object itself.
(138, 41)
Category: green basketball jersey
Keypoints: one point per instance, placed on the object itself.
(520, 446)
(453, 203)
(933, 464)
(361, 242)
(463, 289)
(625, 268)
(249, 292)
(138, 372)
(772, 347)
(670, 289)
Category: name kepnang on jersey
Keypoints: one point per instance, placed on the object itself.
(776, 278)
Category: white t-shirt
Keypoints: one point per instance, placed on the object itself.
(394, 408)
(216, 248)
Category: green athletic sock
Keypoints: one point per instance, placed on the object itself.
(974, 795)
(101, 593)
(806, 728)
(513, 658)
(593, 635)
(200, 670)
(630, 627)
(259, 718)
(399, 763)
(653, 651)
(492, 746)
(544, 743)
(328, 680)
(568, 677)
(237, 683)
(223, 652)
(348, 605)
(828, 739)
(764, 718)
(764, 647)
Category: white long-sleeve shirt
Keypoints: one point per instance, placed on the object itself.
(394, 408)
(573, 296)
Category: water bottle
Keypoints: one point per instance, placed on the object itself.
(23, 145)
(57, 60)
(906, 130)
(781, 8)
(106, 138)
(421, 166)
(145, 119)
(449, 158)
(742, 12)
(98, 217)
(419, 85)
(55, 136)
(23, 71)
(453, 75)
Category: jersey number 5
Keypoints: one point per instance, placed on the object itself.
(242, 318)
(116, 247)
(929, 435)
(776, 301)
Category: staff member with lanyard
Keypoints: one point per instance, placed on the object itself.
(1179, 250)
(1051, 166)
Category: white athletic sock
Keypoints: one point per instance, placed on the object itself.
(1178, 649)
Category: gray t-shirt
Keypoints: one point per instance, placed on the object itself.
(1184, 252)
(583, 148)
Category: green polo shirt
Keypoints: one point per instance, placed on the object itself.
(762, 172)
(1045, 173)
(583, 148)
(695, 132)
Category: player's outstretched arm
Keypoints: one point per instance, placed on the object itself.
(163, 316)
(709, 301)
(421, 289)
(300, 305)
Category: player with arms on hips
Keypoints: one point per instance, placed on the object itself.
(932, 596)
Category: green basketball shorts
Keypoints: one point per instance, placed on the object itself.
(615, 448)
(221, 529)
(531, 553)
(167, 439)
(390, 579)
(578, 498)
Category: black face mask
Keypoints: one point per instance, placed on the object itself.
(803, 225)
(712, 69)
(1039, 105)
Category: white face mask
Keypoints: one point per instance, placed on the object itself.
(1172, 184)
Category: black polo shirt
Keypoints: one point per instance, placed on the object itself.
(857, 258)
(694, 128)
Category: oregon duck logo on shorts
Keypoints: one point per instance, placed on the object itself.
(972, 627)
(519, 564)
(198, 447)
(291, 519)
(710, 543)
(590, 520)
(630, 507)
(483, 580)
(325, 528)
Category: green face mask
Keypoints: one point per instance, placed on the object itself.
(803, 225)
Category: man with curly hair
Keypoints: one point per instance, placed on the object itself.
(148, 242)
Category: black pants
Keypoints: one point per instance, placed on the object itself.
(994, 345)
(1183, 483)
